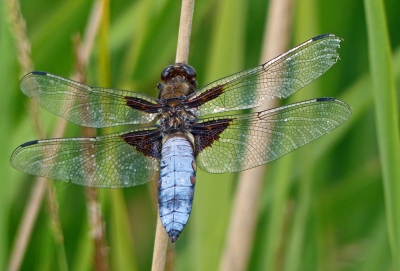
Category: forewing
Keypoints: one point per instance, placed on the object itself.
(86, 105)
(236, 143)
(279, 77)
(110, 161)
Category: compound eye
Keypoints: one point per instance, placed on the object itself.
(166, 73)
(190, 72)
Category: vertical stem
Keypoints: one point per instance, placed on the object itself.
(104, 56)
(37, 193)
(160, 247)
(95, 217)
(244, 212)
(26, 224)
(386, 114)
(182, 54)
(185, 27)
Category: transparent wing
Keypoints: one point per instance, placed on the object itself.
(110, 161)
(86, 105)
(236, 143)
(279, 77)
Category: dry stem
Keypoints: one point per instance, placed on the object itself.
(245, 208)
(33, 204)
(182, 54)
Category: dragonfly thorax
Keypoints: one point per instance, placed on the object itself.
(177, 119)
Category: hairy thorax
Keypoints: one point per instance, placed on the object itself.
(178, 82)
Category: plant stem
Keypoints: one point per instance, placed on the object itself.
(182, 54)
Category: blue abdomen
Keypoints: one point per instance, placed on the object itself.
(176, 184)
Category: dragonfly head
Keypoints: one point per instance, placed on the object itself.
(179, 78)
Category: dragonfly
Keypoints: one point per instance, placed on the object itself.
(182, 135)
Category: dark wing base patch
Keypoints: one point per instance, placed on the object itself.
(149, 144)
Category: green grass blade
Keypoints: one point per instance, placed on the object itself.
(122, 254)
(84, 252)
(305, 25)
(8, 70)
(213, 199)
(280, 184)
(386, 113)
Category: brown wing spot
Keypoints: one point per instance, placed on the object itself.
(206, 133)
(142, 105)
(206, 96)
(145, 141)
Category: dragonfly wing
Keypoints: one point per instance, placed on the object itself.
(236, 143)
(279, 77)
(86, 105)
(110, 161)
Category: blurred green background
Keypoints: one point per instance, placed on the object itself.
(333, 214)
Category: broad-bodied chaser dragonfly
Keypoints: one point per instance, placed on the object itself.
(184, 137)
